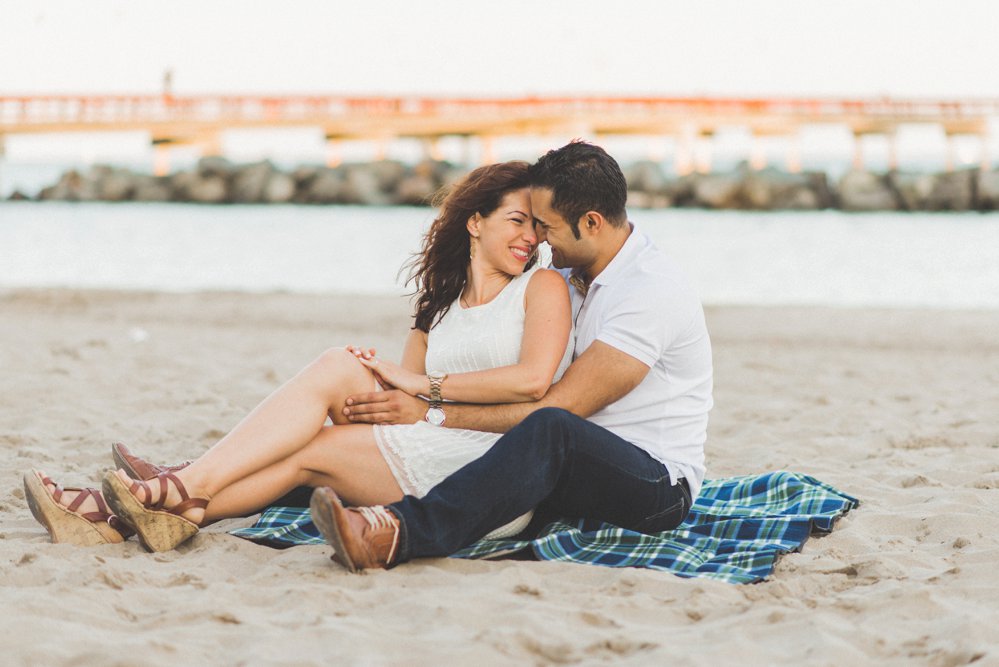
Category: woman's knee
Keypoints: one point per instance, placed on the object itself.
(338, 373)
(334, 361)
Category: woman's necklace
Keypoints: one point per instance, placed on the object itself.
(463, 300)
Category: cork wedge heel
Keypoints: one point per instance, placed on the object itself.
(65, 524)
(159, 529)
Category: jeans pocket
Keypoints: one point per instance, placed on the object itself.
(669, 518)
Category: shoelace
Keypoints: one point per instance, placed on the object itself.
(379, 517)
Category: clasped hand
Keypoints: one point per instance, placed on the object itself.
(398, 404)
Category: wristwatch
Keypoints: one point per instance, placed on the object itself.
(435, 414)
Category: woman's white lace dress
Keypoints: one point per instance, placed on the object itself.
(467, 339)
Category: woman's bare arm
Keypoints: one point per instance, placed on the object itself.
(547, 326)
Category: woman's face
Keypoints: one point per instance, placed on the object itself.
(506, 238)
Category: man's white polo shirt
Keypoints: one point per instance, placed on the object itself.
(643, 305)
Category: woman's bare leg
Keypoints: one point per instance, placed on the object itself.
(345, 458)
(286, 421)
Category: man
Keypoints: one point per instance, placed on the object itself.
(620, 438)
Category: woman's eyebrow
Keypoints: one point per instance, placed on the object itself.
(521, 212)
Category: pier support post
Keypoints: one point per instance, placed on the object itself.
(161, 159)
(655, 151)
(703, 147)
(210, 144)
(858, 151)
(793, 162)
(334, 152)
(382, 147)
(683, 161)
(3, 152)
(984, 154)
(892, 150)
(758, 154)
(432, 149)
(487, 152)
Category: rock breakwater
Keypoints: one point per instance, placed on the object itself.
(385, 183)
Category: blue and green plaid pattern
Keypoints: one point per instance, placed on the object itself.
(735, 531)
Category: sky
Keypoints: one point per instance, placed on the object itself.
(515, 47)
(847, 48)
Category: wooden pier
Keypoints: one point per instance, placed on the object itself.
(200, 119)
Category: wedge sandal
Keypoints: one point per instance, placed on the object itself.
(67, 525)
(159, 529)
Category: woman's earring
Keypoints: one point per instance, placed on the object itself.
(471, 247)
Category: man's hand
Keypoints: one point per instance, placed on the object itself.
(385, 407)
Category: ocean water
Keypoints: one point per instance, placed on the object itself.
(789, 258)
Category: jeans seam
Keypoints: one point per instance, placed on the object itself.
(402, 549)
(629, 471)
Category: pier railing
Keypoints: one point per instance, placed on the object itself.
(424, 116)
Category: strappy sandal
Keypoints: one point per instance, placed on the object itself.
(159, 529)
(67, 525)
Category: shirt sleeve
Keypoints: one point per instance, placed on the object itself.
(639, 326)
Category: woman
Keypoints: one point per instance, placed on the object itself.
(489, 328)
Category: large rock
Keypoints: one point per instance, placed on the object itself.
(824, 192)
(436, 170)
(912, 191)
(987, 188)
(953, 191)
(17, 195)
(113, 184)
(361, 186)
(72, 186)
(415, 190)
(638, 199)
(718, 190)
(208, 190)
(214, 165)
(280, 189)
(388, 174)
(770, 189)
(452, 175)
(151, 188)
(645, 176)
(321, 187)
(864, 191)
(180, 184)
(680, 191)
(249, 182)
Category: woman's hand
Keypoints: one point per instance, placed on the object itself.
(390, 373)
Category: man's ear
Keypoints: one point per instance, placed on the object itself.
(593, 221)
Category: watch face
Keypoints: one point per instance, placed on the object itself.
(435, 416)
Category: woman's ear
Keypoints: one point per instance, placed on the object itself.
(473, 224)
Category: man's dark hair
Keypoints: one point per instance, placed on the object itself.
(582, 177)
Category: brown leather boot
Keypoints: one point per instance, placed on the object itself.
(138, 468)
(361, 537)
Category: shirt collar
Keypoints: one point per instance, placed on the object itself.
(632, 246)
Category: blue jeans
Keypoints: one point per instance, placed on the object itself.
(556, 462)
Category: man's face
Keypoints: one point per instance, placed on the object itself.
(567, 250)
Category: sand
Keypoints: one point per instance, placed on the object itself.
(896, 407)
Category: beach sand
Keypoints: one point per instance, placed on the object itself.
(899, 408)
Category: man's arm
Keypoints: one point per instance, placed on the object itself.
(601, 375)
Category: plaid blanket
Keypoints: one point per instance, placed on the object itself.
(735, 531)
